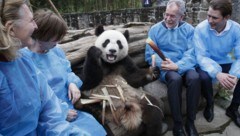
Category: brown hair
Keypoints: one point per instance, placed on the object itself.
(224, 6)
(49, 26)
(9, 10)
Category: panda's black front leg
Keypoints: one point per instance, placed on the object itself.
(92, 69)
(137, 77)
(152, 116)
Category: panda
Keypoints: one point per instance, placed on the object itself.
(107, 66)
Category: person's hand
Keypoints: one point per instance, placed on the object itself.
(169, 65)
(72, 115)
(73, 93)
(226, 80)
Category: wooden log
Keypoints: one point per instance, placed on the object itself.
(73, 35)
(77, 54)
(76, 50)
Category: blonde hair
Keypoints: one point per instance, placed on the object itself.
(9, 10)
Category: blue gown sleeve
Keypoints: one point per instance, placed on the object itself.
(51, 119)
(72, 77)
(235, 68)
(6, 101)
(203, 56)
(188, 60)
(35, 112)
(149, 51)
(9, 112)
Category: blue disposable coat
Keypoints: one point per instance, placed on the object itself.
(28, 106)
(176, 44)
(213, 49)
(57, 69)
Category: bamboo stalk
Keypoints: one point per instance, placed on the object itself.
(29, 5)
(55, 9)
(103, 111)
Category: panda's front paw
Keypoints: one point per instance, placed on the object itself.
(155, 72)
(78, 105)
(94, 52)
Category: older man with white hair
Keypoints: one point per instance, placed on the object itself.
(174, 38)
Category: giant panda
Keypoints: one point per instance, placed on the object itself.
(108, 66)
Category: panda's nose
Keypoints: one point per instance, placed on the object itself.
(112, 51)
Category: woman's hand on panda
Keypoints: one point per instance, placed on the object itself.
(73, 93)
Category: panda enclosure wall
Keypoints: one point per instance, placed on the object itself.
(195, 13)
(76, 42)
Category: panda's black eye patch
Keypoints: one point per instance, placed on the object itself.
(119, 44)
(106, 43)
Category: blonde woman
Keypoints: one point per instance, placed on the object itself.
(28, 106)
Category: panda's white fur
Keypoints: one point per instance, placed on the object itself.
(108, 64)
(112, 52)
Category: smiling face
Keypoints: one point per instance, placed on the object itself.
(172, 17)
(25, 26)
(113, 45)
(216, 20)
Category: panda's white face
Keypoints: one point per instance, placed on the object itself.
(113, 45)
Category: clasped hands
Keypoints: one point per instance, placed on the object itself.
(226, 80)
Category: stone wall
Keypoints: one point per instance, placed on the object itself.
(196, 12)
(118, 17)
(236, 10)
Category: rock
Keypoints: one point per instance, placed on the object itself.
(218, 127)
(159, 90)
(219, 122)
(231, 130)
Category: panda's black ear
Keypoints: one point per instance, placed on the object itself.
(126, 34)
(99, 30)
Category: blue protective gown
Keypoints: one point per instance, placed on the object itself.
(175, 44)
(213, 49)
(28, 106)
(56, 68)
